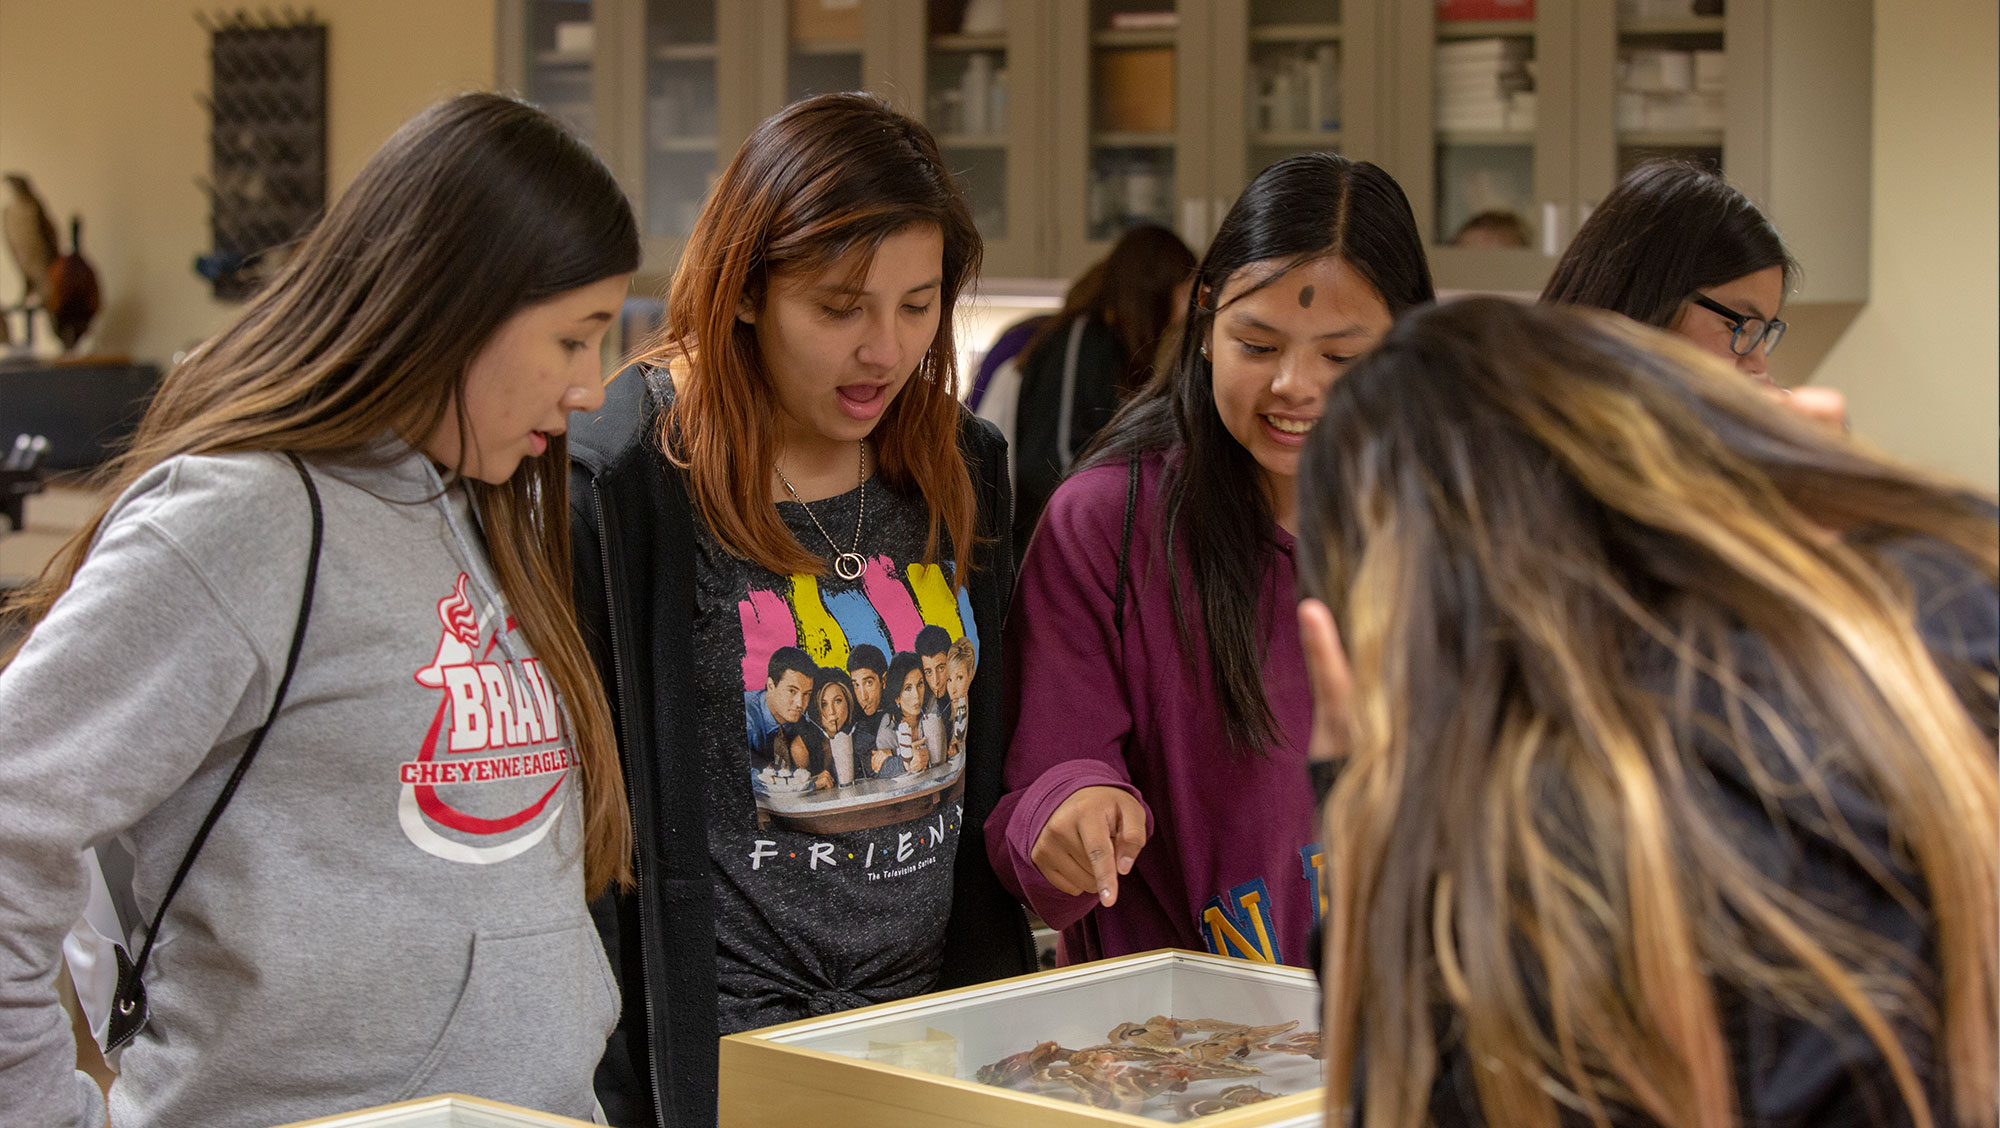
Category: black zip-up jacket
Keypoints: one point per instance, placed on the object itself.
(633, 538)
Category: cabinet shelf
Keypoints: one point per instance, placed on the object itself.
(827, 47)
(1135, 37)
(685, 52)
(960, 41)
(1672, 138)
(1687, 25)
(1296, 138)
(1485, 29)
(972, 141)
(1486, 138)
(1127, 139)
(684, 145)
(1295, 33)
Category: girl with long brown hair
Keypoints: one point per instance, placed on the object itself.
(339, 527)
(1669, 792)
(785, 482)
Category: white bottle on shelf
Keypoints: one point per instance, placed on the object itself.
(996, 113)
(1326, 110)
(976, 92)
(1312, 90)
(1283, 84)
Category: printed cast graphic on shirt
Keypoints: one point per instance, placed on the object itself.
(856, 705)
(1239, 922)
(486, 783)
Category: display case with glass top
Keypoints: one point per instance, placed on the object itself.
(1161, 1037)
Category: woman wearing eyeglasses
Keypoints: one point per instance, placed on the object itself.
(1676, 247)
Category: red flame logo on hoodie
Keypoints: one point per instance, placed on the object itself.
(461, 635)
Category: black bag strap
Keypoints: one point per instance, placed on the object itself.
(1125, 546)
(257, 738)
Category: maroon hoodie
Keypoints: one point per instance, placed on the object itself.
(1230, 863)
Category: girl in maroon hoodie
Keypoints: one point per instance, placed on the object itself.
(1156, 779)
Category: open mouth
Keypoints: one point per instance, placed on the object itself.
(539, 440)
(863, 401)
(1286, 426)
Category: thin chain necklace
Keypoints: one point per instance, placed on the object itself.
(847, 565)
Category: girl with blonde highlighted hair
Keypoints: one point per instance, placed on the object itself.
(1667, 716)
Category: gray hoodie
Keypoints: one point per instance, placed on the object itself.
(392, 905)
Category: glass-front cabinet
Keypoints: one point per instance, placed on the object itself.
(1483, 113)
(681, 120)
(1125, 93)
(558, 60)
(984, 68)
(1067, 121)
(1289, 77)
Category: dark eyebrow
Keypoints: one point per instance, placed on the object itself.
(600, 315)
(850, 292)
(1251, 322)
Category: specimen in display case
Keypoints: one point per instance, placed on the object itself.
(1160, 1037)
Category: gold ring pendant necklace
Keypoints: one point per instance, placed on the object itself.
(847, 565)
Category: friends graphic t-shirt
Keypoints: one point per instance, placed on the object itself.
(835, 768)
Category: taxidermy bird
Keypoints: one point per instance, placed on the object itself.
(72, 298)
(31, 238)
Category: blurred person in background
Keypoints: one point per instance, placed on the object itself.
(1090, 357)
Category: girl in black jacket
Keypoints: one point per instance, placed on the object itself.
(783, 481)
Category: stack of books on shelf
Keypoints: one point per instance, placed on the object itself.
(1485, 84)
(1670, 90)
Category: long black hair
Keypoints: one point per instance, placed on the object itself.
(1668, 229)
(1308, 207)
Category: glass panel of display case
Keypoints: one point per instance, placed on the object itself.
(1671, 79)
(1484, 77)
(1132, 142)
(825, 48)
(1168, 1036)
(680, 113)
(1294, 78)
(562, 41)
(966, 101)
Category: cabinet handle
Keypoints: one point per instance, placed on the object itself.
(1552, 242)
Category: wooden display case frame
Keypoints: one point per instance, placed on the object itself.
(767, 1081)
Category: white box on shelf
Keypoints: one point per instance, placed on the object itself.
(1710, 69)
(576, 37)
(1710, 109)
(1631, 110)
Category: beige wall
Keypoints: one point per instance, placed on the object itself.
(98, 107)
(1919, 364)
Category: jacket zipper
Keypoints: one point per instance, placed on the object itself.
(638, 853)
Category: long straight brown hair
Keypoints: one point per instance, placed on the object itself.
(822, 178)
(475, 209)
(1590, 581)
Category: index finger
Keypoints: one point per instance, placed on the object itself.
(1102, 854)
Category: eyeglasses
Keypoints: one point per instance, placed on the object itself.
(1749, 331)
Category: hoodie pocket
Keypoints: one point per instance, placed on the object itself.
(530, 1021)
